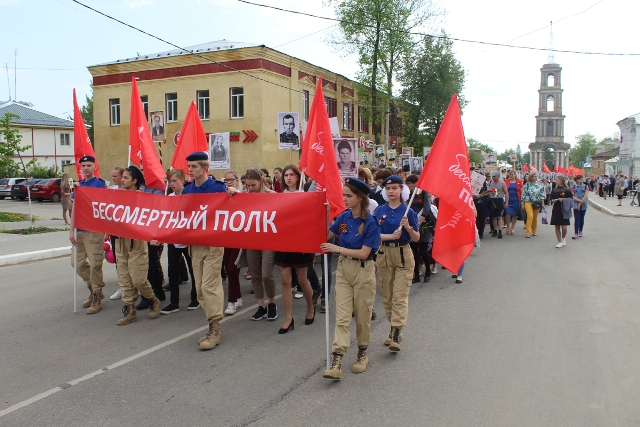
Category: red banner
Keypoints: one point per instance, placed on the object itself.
(286, 222)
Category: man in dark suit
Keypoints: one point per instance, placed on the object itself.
(157, 128)
(288, 136)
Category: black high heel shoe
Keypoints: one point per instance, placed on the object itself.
(310, 321)
(290, 328)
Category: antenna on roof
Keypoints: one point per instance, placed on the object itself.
(8, 81)
(552, 56)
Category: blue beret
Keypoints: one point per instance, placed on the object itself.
(393, 179)
(359, 184)
(87, 159)
(198, 155)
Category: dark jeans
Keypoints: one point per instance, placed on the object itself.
(425, 253)
(175, 256)
(578, 222)
(417, 257)
(155, 274)
(233, 273)
(481, 218)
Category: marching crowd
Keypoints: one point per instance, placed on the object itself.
(377, 235)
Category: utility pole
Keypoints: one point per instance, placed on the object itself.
(15, 76)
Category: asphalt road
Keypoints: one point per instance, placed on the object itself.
(535, 336)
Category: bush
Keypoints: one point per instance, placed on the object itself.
(39, 171)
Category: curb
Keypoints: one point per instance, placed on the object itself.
(34, 256)
(608, 211)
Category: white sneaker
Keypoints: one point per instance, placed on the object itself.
(231, 308)
(298, 295)
(239, 303)
(117, 295)
(434, 269)
(564, 242)
(559, 245)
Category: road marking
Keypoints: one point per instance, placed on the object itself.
(118, 364)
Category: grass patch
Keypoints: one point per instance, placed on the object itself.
(34, 230)
(13, 217)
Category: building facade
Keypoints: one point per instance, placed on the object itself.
(238, 88)
(550, 121)
(629, 163)
(50, 137)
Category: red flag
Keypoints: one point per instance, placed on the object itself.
(525, 168)
(318, 157)
(142, 148)
(546, 169)
(555, 169)
(531, 168)
(81, 142)
(192, 138)
(446, 175)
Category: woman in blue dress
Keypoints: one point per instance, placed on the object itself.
(514, 186)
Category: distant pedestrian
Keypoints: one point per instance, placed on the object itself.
(580, 205)
(65, 192)
(561, 198)
(619, 189)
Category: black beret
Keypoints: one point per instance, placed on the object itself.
(359, 184)
(87, 159)
(198, 155)
(136, 174)
(393, 179)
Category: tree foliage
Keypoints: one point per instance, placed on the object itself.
(430, 77)
(584, 147)
(474, 143)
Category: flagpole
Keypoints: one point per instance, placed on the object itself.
(326, 297)
(129, 158)
(75, 263)
(302, 179)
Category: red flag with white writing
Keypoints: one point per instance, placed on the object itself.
(192, 138)
(81, 142)
(318, 158)
(446, 175)
(140, 140)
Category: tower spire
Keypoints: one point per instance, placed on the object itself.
(552, 56)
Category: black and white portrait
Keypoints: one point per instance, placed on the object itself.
(408, 151)
(346, 155)
(219, 151)
(404, 161)
(288, 131)
(391, 155)
(156, 122)
(379, 151)
(415, 165)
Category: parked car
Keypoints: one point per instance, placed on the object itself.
(47, 189)
(19, 191)
(6, 184)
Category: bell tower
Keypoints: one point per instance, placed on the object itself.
(550, 121)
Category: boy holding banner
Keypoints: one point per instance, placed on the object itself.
(206, 260)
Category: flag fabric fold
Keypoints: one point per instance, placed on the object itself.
(81, 142)
(525, 168)
(192, 138)
(546, 169)
(532, 168)
(318, 158)
(142, 149)
(447, 176)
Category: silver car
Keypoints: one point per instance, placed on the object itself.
(5, 186)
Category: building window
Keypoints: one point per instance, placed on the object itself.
(363, 125)
(332, 106)
(551, 80)
(550, 128)
(347, 116)
(114, 111)
(65, 163)
(237, 102)
(172, 106)
(64, 139)
(203, 104)
(145, 105)
(305, 105)
(550, 103)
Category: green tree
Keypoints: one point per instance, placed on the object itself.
(474, 143)
(10, 147)
(584, 147)
(430, 77)
(377, 31)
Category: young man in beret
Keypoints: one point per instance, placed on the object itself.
(206, 260)
(90, 245)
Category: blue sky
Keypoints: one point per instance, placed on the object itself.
(57, 39)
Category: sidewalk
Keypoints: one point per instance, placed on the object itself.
(17, 248)
(609, 206)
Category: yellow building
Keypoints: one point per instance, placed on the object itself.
(243, 90)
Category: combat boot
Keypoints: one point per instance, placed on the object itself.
(335, 370)
(212, 339)
(396, 333)
(96, 302)
(154, 307)
(87, 303)
(388, 340)
(362, 361)
(129, 315)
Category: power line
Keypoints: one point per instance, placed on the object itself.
(204, 57)
(308, 35)
(344, 21)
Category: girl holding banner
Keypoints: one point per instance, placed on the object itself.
(359, 239)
